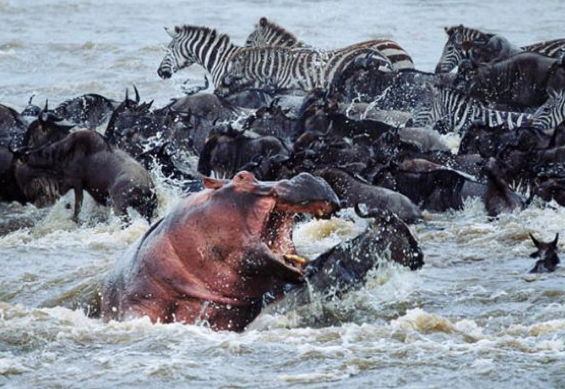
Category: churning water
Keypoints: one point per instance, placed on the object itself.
(471, 318)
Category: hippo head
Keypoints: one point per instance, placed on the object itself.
(268, 210)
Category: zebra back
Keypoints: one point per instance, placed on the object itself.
(554, 48)
(281, 68)
(458, 111)
(268, 33)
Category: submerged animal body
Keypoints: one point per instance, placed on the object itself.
(217, 254)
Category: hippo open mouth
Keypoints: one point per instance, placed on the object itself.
(303, 194)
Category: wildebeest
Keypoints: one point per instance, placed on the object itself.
(89, 110)
(345, 266)
(547, 252)
(12, 126)
(227, 150)
(354, 191)
(521, 81)
(85, 161)
(436, 188)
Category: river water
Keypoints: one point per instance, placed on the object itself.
(472, 317)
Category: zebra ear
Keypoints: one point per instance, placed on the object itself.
(263, 21)
(552, 93)
(171, 34)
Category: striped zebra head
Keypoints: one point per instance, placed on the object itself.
(175, 59)
(191, 44)
(551, 113)
(267, 33)
(452, 51)
(431, 110)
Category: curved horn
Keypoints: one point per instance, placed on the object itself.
(127, 94)
(136, 94)
(536, 242)
(554, 243)
(31, 99)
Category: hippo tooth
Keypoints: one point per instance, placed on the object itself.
(295, 258)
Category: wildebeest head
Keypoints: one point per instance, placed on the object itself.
(32, 111)
(227, 150)
(547, 252)
(125, 116)
(46, 129)
(404, 248)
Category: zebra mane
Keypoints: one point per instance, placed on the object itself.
(280, 31)
(206, 30)
(450, 31)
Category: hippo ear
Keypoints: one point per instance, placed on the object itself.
(213, 183)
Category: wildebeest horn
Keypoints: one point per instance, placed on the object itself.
(536, 242)
(554, 243)
(31, 99)
(136, 94)
(127, 94)
(171, 34)
(46, 105)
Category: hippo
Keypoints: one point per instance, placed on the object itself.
(215, 256)
(547, 252)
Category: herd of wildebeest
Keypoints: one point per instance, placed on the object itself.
(292, 128)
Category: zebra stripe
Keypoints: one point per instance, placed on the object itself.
(453, 51)
(201, 45)
(264, 67)
(551, 113)
(459, 111)
(267, 33)
(553, 48)
(294, 69)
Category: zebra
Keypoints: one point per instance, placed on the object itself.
(281, 69)
(456, 112)
(286, 68)
(459, 37)
(268, 33)
(552, 112)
